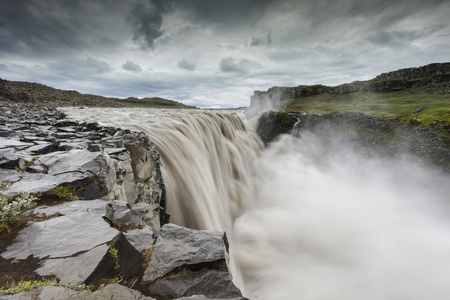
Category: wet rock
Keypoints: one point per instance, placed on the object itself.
(47, 293)
(113, 210)
(10, 160)
(210, 283)
(141, 239)
(111, 292)
(188, 262)
(43, 148)
(178, 246)
(117, 292)
(149, 213)
(79, 251)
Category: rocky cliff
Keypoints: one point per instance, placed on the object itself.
(436, 76)
(371, 136)
(117, 232)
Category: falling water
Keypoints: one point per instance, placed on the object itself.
(306, 221)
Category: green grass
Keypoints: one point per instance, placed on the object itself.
(401, 104)
(62, 193)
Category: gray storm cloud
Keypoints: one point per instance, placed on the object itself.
(241, 46)
(146, 18)
(132, 66)
(186, 65)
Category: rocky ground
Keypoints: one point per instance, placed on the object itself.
(36, 93)
(118, 232)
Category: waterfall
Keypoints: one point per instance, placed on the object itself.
(307, 217)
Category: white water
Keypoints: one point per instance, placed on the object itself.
(309, 223)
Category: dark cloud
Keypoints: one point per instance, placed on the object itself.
(132, 66)
(269, 38)
(146, 17)
(187, 65)
(50, 27)
(83, 44)
(258, 41)
(225, 13)
(255, 42)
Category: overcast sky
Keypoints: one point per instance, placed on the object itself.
(213, 53)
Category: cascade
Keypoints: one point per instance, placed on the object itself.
(307, 217)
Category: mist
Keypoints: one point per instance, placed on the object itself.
(331, 223)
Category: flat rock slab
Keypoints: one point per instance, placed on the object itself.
(210, 283)
(47, 293)
(114, 210)
(141, 239)
(61, 237)
(75, 248)
(110, 292)
(178, 246)
(77, 160)
(39, 182)
(95, 207)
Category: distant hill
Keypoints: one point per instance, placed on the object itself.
(39, 93)
(430, 75)
(420, 95)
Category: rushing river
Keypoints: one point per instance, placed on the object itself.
(306, 220)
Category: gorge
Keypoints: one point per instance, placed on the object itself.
(297, 205)
(308, 217)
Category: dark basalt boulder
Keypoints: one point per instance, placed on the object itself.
(80, 249)
(188, 262)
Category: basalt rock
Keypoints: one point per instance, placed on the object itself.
(111, 291)
(46, 151)
(79, 241)
(80, 249)
(188, 262)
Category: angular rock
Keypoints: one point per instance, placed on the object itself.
(149, 213)
(97, 166)
(113, 210)
(38, 182)
(43, 148)
(210, 283)
(47, 293)
(10, 160)
(117, 292)
(90, 231)
(111, 292)
(178, 246)
(4, 143)
(141, 239)
(79, 251)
